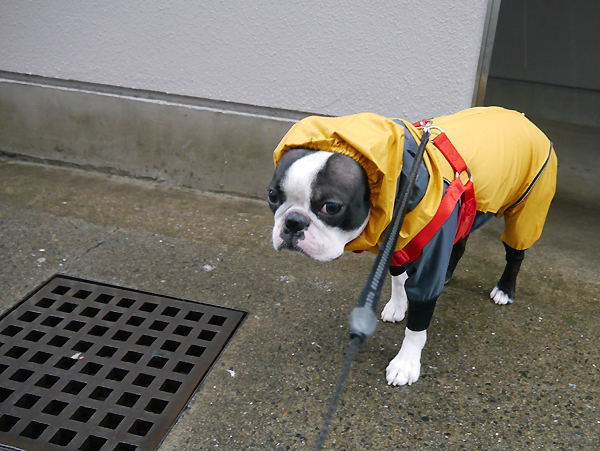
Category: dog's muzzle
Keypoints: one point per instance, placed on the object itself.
(293, 228)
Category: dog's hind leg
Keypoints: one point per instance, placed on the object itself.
(504, 292)
(457, 252)
(459, 248)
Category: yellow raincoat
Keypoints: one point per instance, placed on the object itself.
(504, 151)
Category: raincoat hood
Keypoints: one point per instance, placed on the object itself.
(377, 144)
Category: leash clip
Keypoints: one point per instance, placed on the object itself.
(426, 125)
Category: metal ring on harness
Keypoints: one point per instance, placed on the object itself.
(457, 174)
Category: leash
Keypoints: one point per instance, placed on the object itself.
(363, 320)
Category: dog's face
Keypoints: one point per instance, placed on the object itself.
(320, 201)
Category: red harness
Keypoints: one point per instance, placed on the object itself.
(455, 192)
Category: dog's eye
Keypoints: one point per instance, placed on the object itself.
(273, 197)
(331, 208)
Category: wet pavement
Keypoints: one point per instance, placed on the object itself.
(519, 377)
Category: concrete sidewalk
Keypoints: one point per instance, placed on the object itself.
(518, 377)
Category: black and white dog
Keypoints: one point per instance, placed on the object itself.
(321, 201)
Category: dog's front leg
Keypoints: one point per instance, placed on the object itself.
(395, 310)
(405, 368)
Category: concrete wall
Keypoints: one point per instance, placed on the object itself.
(199, 93)
(179, 143)
(397, 58)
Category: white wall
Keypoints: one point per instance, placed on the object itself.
(410, 58)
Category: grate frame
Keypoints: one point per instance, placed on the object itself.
(96, 367)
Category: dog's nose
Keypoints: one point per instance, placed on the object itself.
(294, 223)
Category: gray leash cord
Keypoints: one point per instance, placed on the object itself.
(338, 391)
(363, 319)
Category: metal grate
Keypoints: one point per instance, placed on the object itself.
(87, 366)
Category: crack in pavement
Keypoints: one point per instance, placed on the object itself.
(91, 248)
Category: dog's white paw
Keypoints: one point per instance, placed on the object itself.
(396, 308)
(500, 297)
(405, 368)
(393, 312)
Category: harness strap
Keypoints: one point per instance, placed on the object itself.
(447, 148)
(455, 192)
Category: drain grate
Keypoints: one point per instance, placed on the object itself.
(87, 366)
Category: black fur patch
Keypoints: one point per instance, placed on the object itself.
(342, 181)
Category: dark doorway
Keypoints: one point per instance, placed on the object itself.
(546, 60)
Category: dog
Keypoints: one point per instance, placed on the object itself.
(335, 183)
